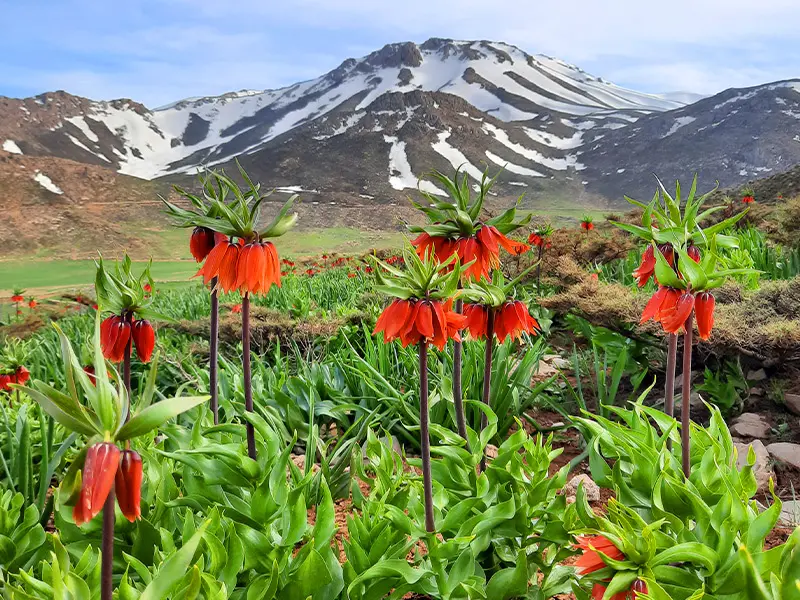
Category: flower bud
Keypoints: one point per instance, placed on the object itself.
(144, 337)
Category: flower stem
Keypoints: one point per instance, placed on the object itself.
(213, 346)
(539, 269)
(458, 397)
(487, 376)
(107, 545)
(424, 433)
(669, 392)
(686, 395)
(248, 384)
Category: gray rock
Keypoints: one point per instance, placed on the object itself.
(758, 375)
(792, 403)
(589, 486)
(785, 452)
(790, 513)
(750, 425)
(756, 391)
(761, 469)
(491, 451)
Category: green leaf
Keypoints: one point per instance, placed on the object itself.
(156, 415)
(511, 582)
(664, 272)
(173, 569)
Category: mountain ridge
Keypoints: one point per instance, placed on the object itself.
(368, 129)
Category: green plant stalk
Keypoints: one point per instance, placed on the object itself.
(539, 268)
(248, 383)
(669, 391)
(487, 376)
(458, 398)
(107, 564)
(425, 439)
(213, 350)
(686, 395)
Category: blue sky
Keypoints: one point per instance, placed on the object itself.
(159, 51)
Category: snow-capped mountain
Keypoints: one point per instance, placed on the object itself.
(368, 130)
(543, 101)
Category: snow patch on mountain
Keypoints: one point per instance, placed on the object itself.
(400, 174)
(511, 167)
(679, 122)
(556, 164)
(455, 156)
(11, 147)
(47, 183)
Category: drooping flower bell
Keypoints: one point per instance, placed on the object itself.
(675, 321)
(128, 481)
(115, 335)
(661, 304)
(704, 304)
(5, 383)
(99, 471)
(21, 376)
(201, 243)
(511, 319)
(144, 339)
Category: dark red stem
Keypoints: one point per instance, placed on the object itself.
(424, 432)
(213, 346)
(107, 546)
(248, 384)
(686, 395)
(126, 365)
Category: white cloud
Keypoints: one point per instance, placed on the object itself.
(157, 51)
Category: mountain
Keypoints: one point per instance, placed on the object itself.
(732, 137)
(362, 134)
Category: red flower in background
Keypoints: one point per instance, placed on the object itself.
(704, 304)
(415, 320)
(128, 485)
(748, 199)
(148, 288)
(21, 376)
(32, 303)
(17, 298)
(236, 308)
(587, 225)
(591, 561)
(5, 382)
(99, 470)
(351, 275)
(534, 239)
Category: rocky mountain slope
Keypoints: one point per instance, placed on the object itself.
(362, 134)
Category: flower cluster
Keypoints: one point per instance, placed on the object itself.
(482, 250)
(249, 268)
(116, 332)
(412, 321)
(511, 319)
(107, 467)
